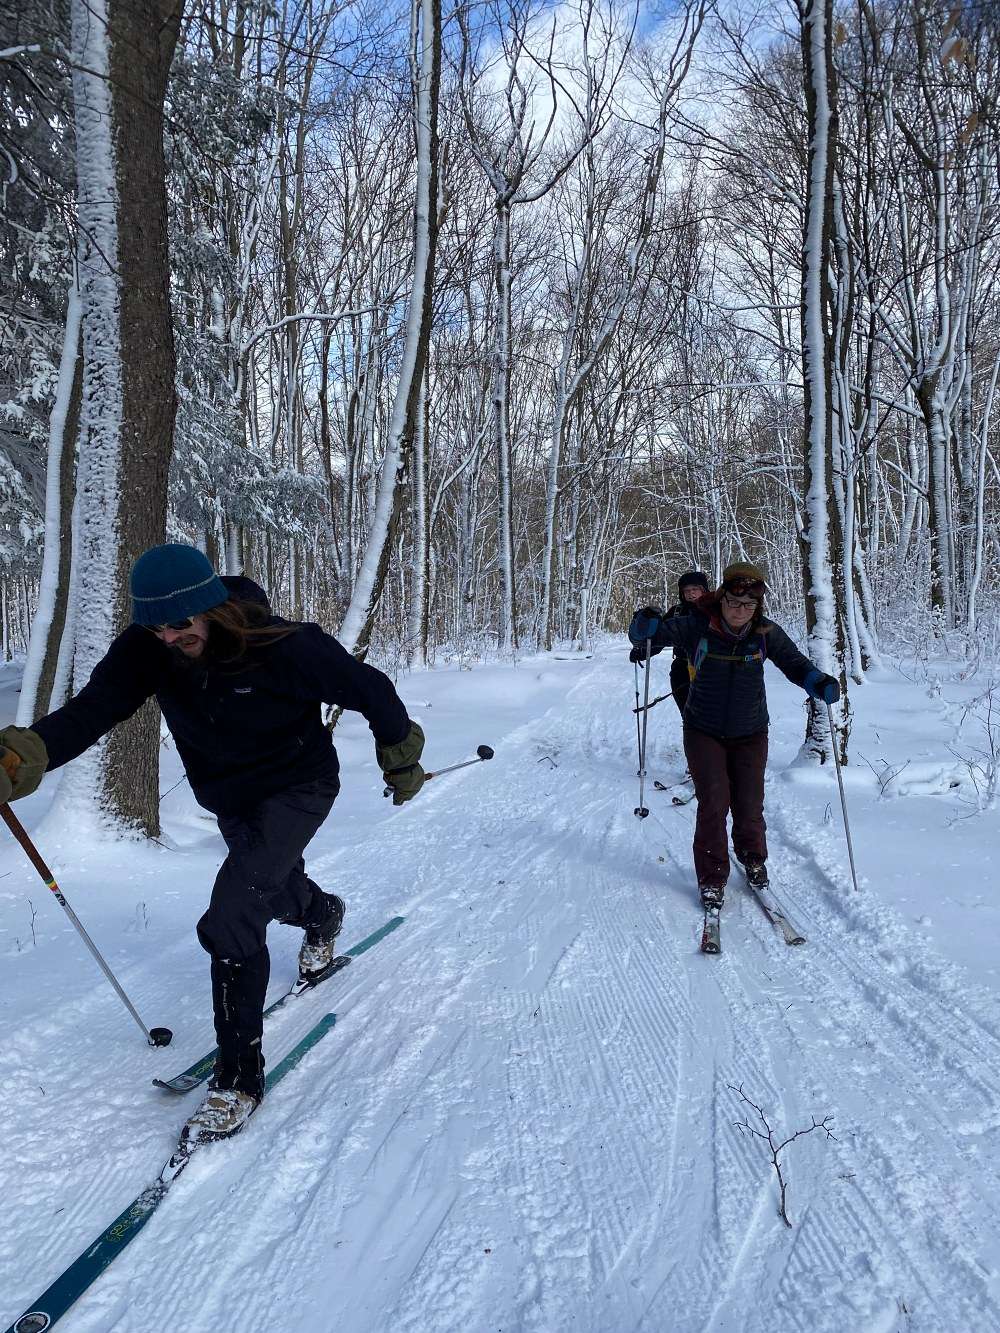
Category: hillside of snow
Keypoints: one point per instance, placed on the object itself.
(527, 1115)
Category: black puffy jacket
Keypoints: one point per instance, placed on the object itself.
(681, 609)
(727, 698)
(244, 730)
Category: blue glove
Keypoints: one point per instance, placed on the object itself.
(821, 687)
(645, 623)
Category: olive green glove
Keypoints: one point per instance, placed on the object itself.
(400, 764)
(23, 761)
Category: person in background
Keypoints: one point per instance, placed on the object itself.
(692, 586)
(727, 638)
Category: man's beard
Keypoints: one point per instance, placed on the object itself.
(186, 662)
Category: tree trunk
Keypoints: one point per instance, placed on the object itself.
(50, 618)
(356, 628)
(822, 565)
(123, 51)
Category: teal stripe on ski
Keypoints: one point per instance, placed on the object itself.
(202, 1069)
(84, 1271)
(379, 935)
(297, 1052)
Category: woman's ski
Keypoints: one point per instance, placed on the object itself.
(775, 913)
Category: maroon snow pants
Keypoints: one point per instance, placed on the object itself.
(728, 775)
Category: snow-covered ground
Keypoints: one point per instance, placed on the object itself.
(525, 1118)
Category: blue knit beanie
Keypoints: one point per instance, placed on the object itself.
(173, 582)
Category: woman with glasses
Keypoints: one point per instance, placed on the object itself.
(241, 691)
(727, 639)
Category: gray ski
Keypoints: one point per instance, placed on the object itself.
(711, 938)
(775, 913)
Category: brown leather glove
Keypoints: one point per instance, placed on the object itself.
(23, 761)
(400, 766)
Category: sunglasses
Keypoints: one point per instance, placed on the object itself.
(172, 624)
(742, 586)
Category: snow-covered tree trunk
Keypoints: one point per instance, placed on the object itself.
(821, 538)
(426, 58)
(419, 591)
(122, 53)
(507, 628)
(50, 615)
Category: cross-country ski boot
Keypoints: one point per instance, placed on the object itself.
(317, 953)
(223, 1113)
(755, 869)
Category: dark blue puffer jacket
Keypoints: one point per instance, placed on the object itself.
(727, 698)
(244, 730)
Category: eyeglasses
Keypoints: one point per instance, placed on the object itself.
(172, 624)
(744, 603)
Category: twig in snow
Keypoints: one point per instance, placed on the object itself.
(887, 774)
(767, 1134)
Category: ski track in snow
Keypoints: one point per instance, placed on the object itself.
(524, 1120)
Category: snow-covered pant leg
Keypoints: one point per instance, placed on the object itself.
(680, 682)
(238, 990)
(707, 764)
(747, 759)
(262, 879)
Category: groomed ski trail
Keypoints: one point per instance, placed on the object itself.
(523, 1120)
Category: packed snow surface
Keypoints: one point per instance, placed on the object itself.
(526, 1115)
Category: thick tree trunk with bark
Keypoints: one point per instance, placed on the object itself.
(123, 51)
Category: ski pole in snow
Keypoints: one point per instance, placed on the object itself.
(637, 710)
(640, 810)
(483, 752)
(843, 798)
(154, 1036)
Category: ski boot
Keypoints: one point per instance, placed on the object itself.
(317, 952)
(223, 1113)
(755, 869)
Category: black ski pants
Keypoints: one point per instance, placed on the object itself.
(728, 775)
(263, 879)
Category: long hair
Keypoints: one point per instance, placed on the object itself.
(237, 626)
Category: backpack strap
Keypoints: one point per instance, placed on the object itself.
(700, 653)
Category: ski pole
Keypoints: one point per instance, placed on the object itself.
(652, 703)
(154, 1036)
(483, 752)
(640, 810)
(637, 710)
(843, 798)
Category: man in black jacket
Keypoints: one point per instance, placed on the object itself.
(241, 692)
(727, 641)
